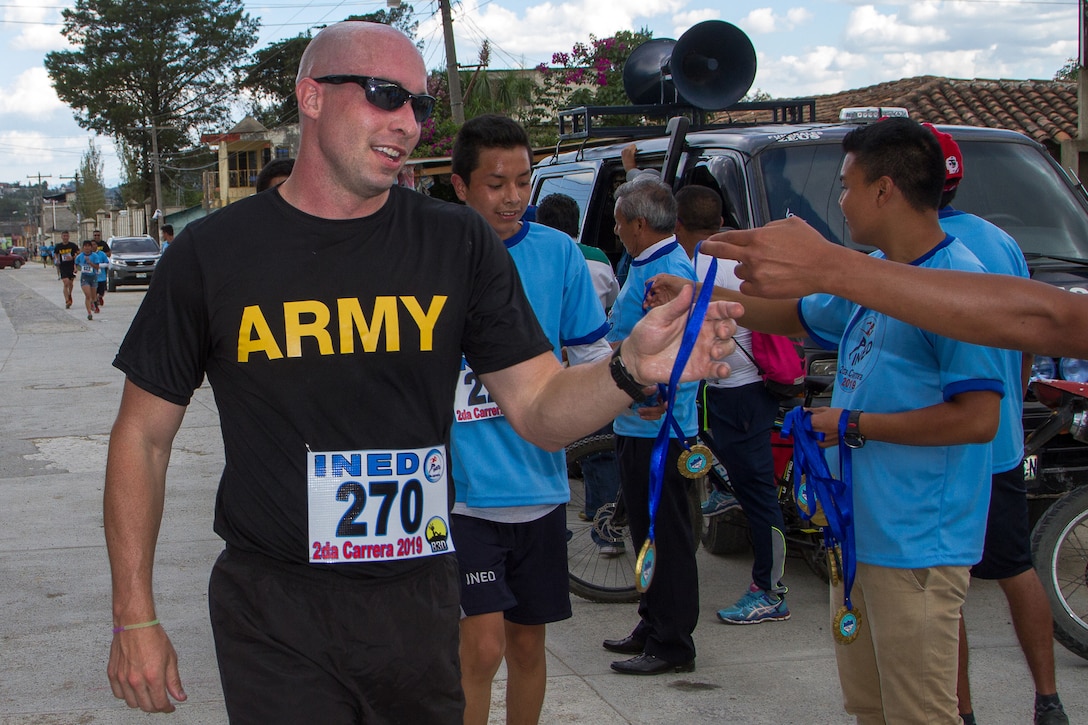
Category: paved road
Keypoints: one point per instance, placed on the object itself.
(58, 396)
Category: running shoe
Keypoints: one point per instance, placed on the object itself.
(754, 607)
(1051, 716)
(718, 502)
(96, 308)
(610, 550)
(90, 317)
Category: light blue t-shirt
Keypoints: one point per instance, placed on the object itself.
(96, 257)
(669, 257)
(999, 254)
(493, 466)
(914, 506)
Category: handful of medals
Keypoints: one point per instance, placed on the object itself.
(833, 497)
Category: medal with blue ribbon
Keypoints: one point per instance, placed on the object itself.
(835, 497)
(695, 459)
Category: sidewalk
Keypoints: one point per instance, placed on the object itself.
(58, 397)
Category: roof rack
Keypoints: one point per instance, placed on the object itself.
(578, 123)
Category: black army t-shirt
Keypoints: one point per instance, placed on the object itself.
(327, 336)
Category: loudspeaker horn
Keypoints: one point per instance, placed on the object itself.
(710, 67)
(643, 79)
(713, 65)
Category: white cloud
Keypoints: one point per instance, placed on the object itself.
(796, 17)
(979, 63)
(874, 31)
(531, 35)
(760, 20)
(39, 28)
(684, 21)
(30, 95)
(766, 20)
(823, 69)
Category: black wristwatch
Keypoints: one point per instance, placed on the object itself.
(624, 379)
(853, 437)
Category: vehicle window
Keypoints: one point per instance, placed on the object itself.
(728, 177)
(803, 180)
(1017, 188)
(135, 246)
(578, 186)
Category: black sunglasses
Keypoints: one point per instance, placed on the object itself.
(386, 95)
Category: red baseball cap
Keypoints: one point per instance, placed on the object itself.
(953, 158)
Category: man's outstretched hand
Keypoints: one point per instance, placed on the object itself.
(784, 259)
(651, 349)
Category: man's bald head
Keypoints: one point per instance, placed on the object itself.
(353, 41)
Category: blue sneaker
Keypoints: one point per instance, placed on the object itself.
(718, 502)
(754, 607)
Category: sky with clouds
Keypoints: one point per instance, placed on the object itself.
(803, 47)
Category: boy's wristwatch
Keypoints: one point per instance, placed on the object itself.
(853, 437)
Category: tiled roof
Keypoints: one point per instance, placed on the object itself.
(1043, 110)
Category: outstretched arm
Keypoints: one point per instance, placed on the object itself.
(778, 317)
(788, 258)
(551, 406)
(143, 666)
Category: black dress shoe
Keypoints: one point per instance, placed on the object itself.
(645, 664)
(629, 645)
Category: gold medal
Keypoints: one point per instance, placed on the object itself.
(834, 565)
(694, 462)
(846, 625)
(816, 517)
(644, 566)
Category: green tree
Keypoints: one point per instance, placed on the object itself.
(91, 191)
(170, 65)
(1068, 72)
(134, 186)
(270, 78)
(591, 74)
(399, 17)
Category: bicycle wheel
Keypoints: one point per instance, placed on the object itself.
(1059, 546)
(593, 576)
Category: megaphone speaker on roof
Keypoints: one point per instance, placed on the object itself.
(711, 67)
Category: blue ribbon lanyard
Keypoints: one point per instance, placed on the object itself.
(836, 496)
(696, 315)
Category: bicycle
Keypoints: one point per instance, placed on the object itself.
(600, 578)
(603, 577)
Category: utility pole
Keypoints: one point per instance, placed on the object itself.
(457, 103)
(158, 205)
(78, 215)
(41, 202)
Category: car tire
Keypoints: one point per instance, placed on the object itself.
(111, 283)
(17, 263)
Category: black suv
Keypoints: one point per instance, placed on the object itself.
(767, 172)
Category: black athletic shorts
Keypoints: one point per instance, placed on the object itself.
(297, 645)
(1007, 551)
(517, 569)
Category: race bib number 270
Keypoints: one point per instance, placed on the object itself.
(377, 505)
